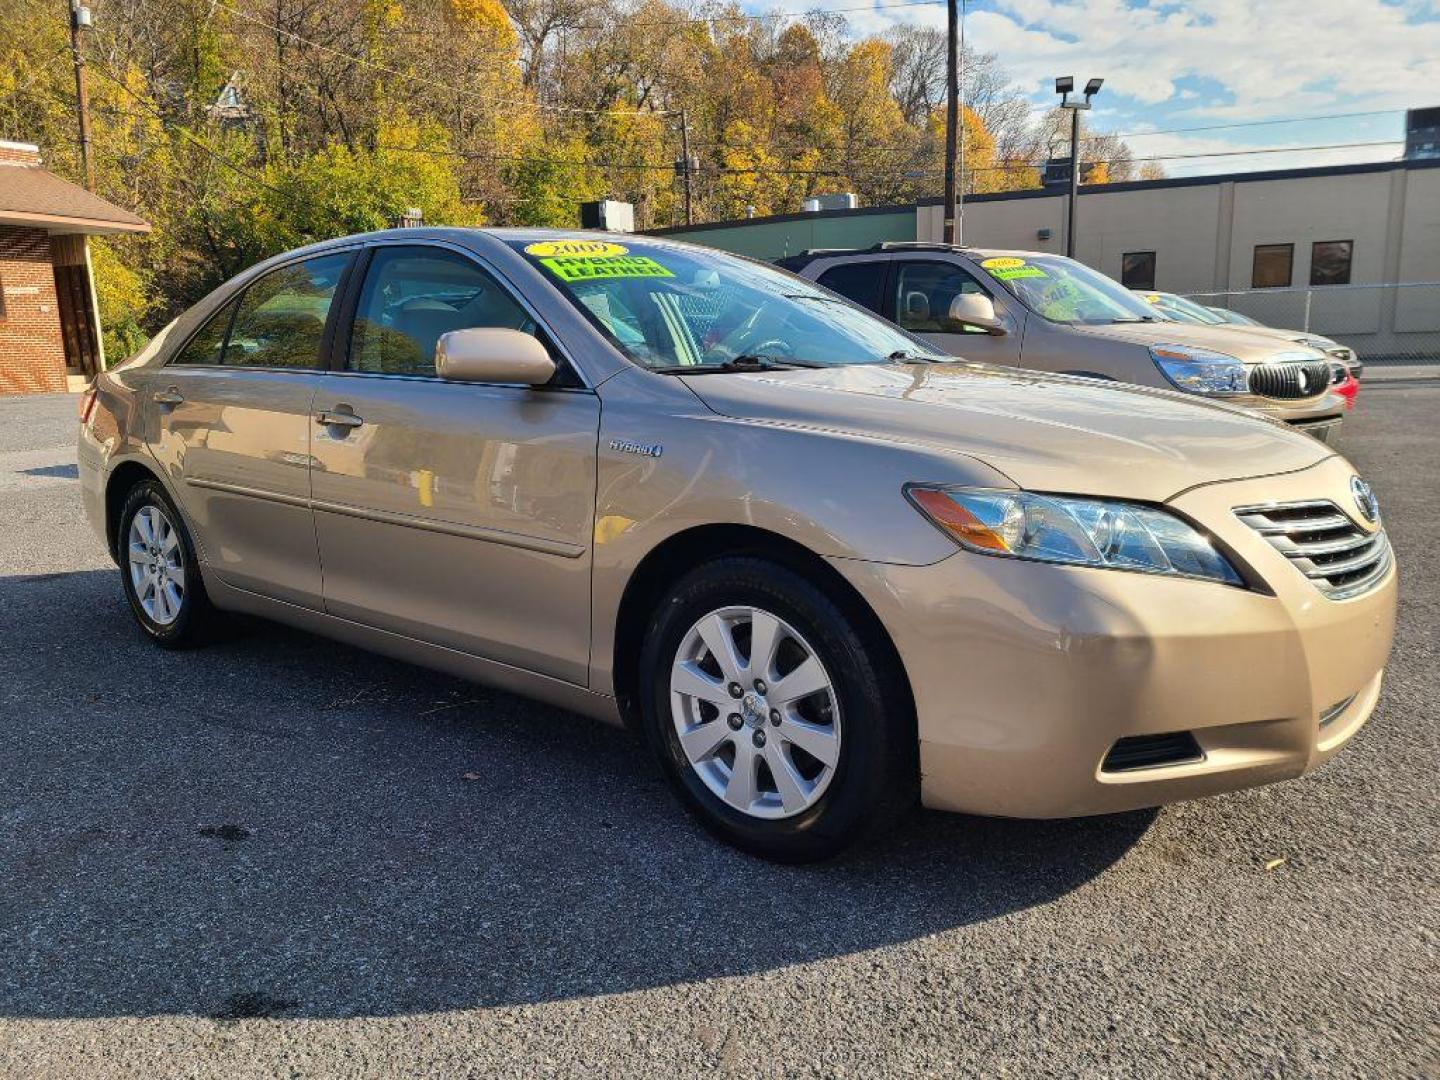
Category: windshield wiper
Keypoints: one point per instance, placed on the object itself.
(906, 356)
(1136, 318)
(744, 362)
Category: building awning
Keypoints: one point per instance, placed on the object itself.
(31, 196)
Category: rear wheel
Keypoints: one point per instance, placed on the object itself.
(160, 572)
(777, 716)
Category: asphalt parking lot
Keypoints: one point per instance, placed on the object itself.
(281, 856)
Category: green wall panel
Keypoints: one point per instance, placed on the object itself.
(776, 239)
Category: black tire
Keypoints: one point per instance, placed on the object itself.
(197, 620)
(875, 779)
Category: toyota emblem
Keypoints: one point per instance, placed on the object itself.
(1365, 500)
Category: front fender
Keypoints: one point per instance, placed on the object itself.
(667, 464)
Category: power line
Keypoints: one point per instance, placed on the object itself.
(1253, 123)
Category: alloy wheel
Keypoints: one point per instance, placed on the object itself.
(755, 711)
(157, 564)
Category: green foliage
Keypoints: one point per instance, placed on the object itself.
(512, 111)
(124, 297)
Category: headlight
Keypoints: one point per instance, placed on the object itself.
(1323, 344)
(1201, 371)
(1081, 532)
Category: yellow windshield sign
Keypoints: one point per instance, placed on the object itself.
(1006, 263)
(595, 248)
(588, 268)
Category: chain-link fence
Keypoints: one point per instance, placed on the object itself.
(1384, 324)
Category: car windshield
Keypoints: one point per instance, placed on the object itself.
(1184, 310)
(1234, 317)
(684, 309)
(1065, 291)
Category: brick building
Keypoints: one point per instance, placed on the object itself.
(49, 325)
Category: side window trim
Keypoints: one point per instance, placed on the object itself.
(334, 316)
(361, 268)
(338, 354)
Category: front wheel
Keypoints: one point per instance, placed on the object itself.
(779, 717)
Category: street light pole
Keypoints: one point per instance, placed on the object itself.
(952, 115)
(80, 20)
(1074, 182)
(1065, 86)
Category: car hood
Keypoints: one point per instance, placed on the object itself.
(1045, 432)
(1242, 342)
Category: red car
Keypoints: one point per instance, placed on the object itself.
(1344, 383)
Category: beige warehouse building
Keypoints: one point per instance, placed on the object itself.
(1303, 248)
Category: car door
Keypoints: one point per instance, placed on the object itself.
(231, 428)
(919, 298)
(455, 513)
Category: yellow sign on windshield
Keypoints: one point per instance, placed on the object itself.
(588, 268)
(1008, 268)
(576, 247)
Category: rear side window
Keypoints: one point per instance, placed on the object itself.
(412, 296)
(861, 282)
(924, 292)
(281, 318)
(209, 341)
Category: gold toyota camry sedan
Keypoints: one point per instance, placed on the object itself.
(818, 566)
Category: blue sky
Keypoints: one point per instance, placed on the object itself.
(1209, 63)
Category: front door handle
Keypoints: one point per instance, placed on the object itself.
(340, 416)
(169, 396)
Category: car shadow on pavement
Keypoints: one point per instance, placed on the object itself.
(282, 826)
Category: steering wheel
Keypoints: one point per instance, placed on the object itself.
(772, 347)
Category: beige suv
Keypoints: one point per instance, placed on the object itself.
(1049, 313)
(817, 565)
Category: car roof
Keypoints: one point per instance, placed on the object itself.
(810, 255)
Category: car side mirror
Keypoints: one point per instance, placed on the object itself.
(493, 355)
(976, 309)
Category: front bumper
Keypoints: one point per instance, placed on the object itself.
(1319, 416)
(1025, 675)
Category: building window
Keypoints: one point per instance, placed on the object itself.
(1330, 262)
(1137, 270)
(1272, 266)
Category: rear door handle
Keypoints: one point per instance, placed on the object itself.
(340, 416)
(169, 396)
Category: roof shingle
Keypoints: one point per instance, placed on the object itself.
(31, 196)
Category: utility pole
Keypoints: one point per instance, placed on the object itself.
(685, 163)
(952, 115)
(80, 20)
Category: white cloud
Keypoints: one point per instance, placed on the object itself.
(1282, 57)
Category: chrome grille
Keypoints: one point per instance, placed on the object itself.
(1330, 549)
(1290, 380)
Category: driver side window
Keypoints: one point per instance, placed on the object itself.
(413, 295)
(924, 292)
